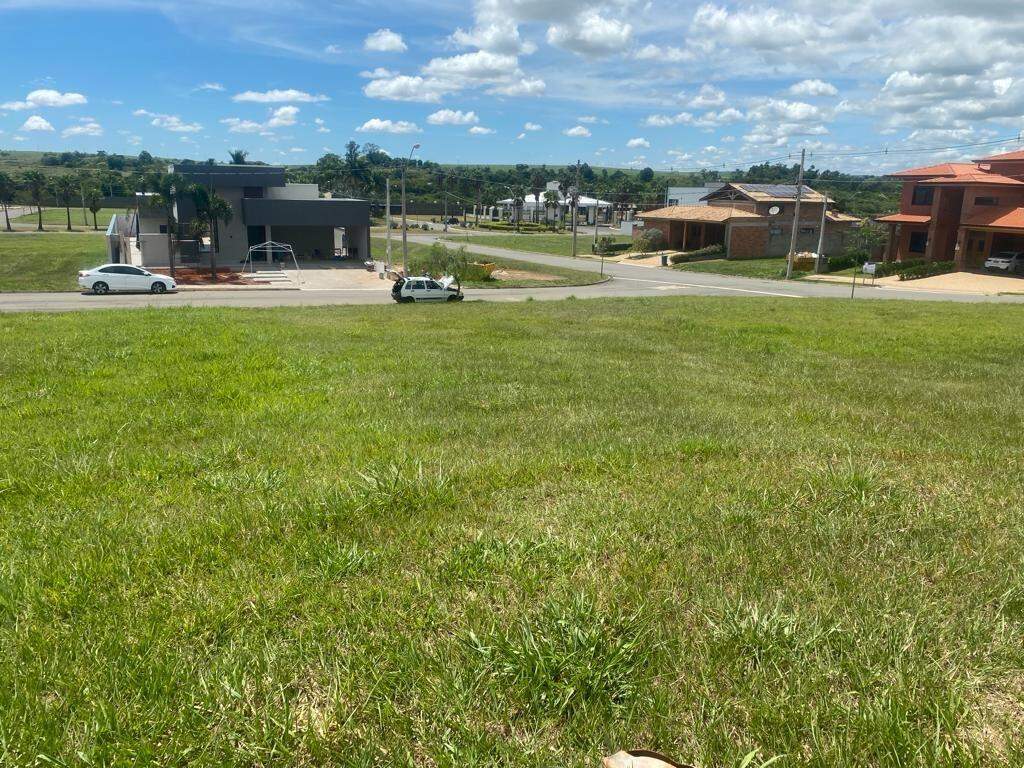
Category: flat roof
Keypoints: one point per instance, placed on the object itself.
(225, 175)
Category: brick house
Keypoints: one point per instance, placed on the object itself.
(751, 221)
(959, 212)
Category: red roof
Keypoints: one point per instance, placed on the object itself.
(975, 177)
(905, 218)
(943, 169)
(1006, 156)
(1004, 217)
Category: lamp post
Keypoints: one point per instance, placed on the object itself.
(405, 229)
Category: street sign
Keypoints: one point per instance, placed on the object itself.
(869, 268)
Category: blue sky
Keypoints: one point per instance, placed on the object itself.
(621, 83)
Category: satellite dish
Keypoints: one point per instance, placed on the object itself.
(774, 210)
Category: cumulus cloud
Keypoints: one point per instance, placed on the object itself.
(277, 96)
(532, 127)
(428, 90)
(709, 96)
(384, 40)
(500, 35)
(479, 130)
(814, 87)
(321, 126)
(87, 127)
(36, 123)
(591, 34)
(521, 86)
(45, 97)
(282, 117)
(637, 143)
(377, 125)
(171, 123)
(664, 121)
(453, 117)
(578, 132)
(668, 54)
(209, 87)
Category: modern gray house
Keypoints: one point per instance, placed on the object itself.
(265, 207)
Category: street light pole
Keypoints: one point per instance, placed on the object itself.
(387, 217)
(405, 228)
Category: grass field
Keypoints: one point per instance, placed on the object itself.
(559, 245)
(561, 275)
(763, 268)
(47, 262)
(517, 535)
(57, 219)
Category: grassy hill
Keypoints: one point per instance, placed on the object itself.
(517, 535)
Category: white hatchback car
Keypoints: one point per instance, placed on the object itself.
(1006, 261)
(424, 288)
(124, 277)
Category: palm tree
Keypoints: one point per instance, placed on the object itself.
(7, 190)
(518, 198)
(213, 209)
(166, 186)
(64, 188)
(552, 200)
(35, 183)
(94, 200)
(238, 156)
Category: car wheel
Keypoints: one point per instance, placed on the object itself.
(158, 287)
(100, 288)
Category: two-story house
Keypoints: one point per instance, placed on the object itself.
(752, 221)
(959, 212)
(264, 208)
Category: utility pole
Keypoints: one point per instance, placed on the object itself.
(405, 227)
(821, 235)
(444, 193)
(575, 199)
(387, 219)
(796, 215)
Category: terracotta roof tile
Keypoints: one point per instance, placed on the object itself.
(1005, 157)
(1005, 217)
(706, 213)
(976, 177)
(904, 218)
(942, 169)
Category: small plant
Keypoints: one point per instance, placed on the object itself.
(650, 240)
(702, 254)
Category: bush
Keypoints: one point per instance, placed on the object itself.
(702, 254)
(649, 240)
(443, 260)
(606, 246)
(928, 269)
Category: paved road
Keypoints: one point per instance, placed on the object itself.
(626, 280)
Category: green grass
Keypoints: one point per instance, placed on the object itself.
(57, 219)
(545, 275)
(47, 262)
(518, 535)
(558, 245)
(770, 268)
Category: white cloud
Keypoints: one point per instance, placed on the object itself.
(210, 87)
(475, 66)
(36, 123)
(479, 130)
(85, 128)
(784, 111)
(385, 41)
(276, 96)
(377, 73)
(428, 90)
(814, 87)
(321, 126)
(282, 117)
(237, 125)
(709, 96)
(663, 121)
(532, 127)
(453, 117)
(588, 119)
(591, 34)
(45, 97)
(376, 125)
(637, 143)
(335, 50)
(668, 54)
(500, 35)
(296, 150)
(522, 86)
(579, 132)
(171, 123)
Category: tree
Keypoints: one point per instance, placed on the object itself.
(35, 183)
(552, 201)
(94, 201)
(144, 158)
(7, 190)
(212, 209)
(167, 186)
(518, 199)
(647, 175)
(238, 156)
(84, 181)
(537, 182)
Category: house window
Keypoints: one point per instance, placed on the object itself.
(252, 192)
(986, 201)
(918, 242)
(163, 229)
(923, 196)
(806, 230)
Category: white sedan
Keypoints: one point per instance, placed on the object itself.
(1005, 261)
(124, 277)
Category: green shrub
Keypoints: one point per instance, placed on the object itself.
(701, 254)
(648, 240)
(928, 269)
(606, 246)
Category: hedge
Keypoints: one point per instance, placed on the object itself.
(928, 269)
(701, 254)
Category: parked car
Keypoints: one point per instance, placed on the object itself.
(124, 277)
(1006, 261)
(425, 288)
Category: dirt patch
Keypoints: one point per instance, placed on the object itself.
(522, 274)
(190, 276)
